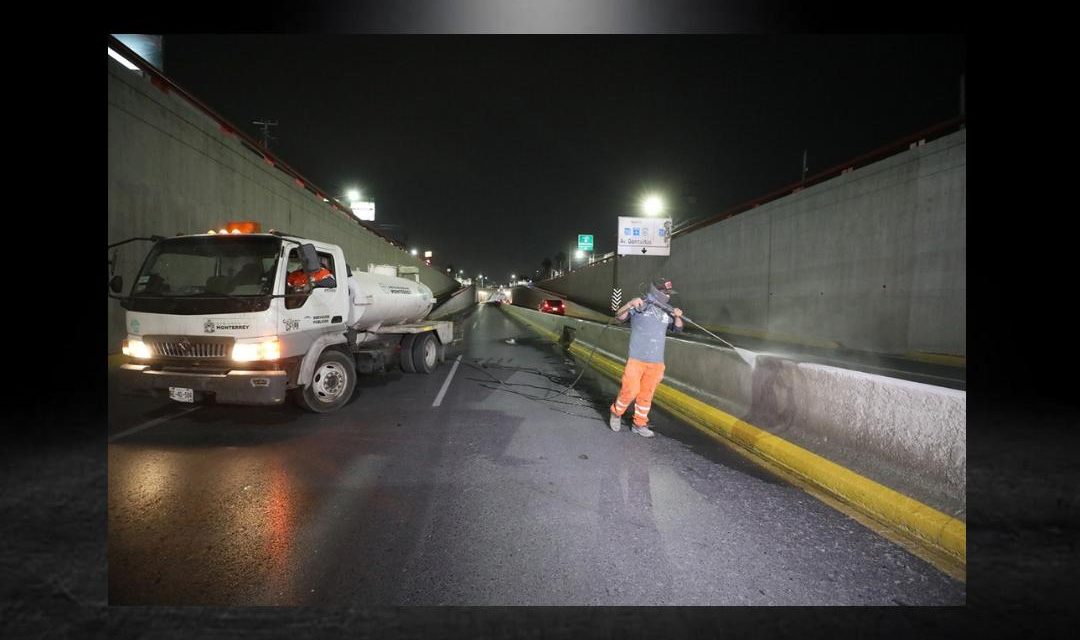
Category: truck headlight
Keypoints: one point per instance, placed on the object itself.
(136, 349)
(249, 351)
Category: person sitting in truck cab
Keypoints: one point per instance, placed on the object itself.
(297, 281)
(321, 278)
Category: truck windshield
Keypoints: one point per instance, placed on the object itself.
(216, 274)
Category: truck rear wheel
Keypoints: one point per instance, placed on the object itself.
(425, 352)
(332, 384)
(407, 353)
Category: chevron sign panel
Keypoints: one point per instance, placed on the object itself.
(616, 299)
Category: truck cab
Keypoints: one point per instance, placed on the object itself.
(237, 316)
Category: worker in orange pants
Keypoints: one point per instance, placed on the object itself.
(639, 383)
(649, 325)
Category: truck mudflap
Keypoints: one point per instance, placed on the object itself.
(266, 387)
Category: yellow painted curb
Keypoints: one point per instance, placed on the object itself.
(910, 518)
(938, 358)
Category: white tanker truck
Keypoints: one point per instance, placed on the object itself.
(240, 317)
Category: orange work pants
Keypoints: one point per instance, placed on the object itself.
(639, 382)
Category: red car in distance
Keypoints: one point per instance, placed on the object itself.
(553, 306)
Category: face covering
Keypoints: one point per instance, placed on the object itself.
(654, 295)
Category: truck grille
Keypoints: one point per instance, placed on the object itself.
(193, 347)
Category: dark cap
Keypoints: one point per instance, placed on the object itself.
(663, 285)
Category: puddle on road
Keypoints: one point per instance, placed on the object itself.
(528, 341)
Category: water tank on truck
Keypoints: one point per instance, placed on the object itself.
(378, 300)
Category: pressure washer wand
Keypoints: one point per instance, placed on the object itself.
(671, 310)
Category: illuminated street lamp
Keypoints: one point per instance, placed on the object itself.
(363, 210)
(413, 251)
(653, 205)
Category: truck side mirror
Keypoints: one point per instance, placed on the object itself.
(309, 258)
(116, 284)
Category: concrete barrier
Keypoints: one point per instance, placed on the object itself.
(892, 450)
(907, 435)
(530, 297)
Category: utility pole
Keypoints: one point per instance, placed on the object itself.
(265, 126)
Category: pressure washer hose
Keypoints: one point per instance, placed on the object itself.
(588, 360)
(672, 311)
(663, 306)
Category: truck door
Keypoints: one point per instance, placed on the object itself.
(319, 306)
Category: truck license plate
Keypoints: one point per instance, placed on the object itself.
(180, 394)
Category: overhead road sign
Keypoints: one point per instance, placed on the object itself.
(644, 236)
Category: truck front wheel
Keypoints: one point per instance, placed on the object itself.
(332, 384)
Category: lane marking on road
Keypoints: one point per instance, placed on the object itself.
(446, 385)
(152, 423)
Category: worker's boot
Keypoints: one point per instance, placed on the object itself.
(615, 422)
(642, 431)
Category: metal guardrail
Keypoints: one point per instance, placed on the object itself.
(166, 85)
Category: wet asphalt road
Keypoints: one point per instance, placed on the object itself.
(491, 498)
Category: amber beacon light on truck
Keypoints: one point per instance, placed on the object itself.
(236, 228)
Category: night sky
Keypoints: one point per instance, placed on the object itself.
(496, 151)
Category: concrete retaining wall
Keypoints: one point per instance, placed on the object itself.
(531, 297)
(873, 260)
(908, 436)
(459, 302)
(172, 170)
